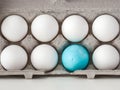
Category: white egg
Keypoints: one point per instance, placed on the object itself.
(14, 57)
(106, 57)
(44, 57)
(44, 28)
(14, 28)
(105, 28)
(75, 28)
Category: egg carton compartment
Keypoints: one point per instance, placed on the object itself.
(60, 9)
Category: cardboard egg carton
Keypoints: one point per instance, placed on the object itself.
(60, 9)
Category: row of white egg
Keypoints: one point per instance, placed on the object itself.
(74, 28)
(45, 57)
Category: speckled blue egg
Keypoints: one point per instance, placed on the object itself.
(75, 57)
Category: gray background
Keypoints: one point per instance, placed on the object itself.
(60, 83)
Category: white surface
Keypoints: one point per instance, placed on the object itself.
(14, 28)
(105, 28)
(44, 57)
(13, 57)
(44, 27)
(75, 28)
(60, 83)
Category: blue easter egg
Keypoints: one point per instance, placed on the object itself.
(75, 57)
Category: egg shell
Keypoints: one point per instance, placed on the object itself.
(44, 57)
(105, 28)
(14, 28)
(106, 57)
(13, 57)
(44, 28)
(75, 28)
(75, 57)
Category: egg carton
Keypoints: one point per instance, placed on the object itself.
(60, 9)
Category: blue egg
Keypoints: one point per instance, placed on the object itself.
(75, 57)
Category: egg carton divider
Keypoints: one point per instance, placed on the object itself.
(90, 74)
